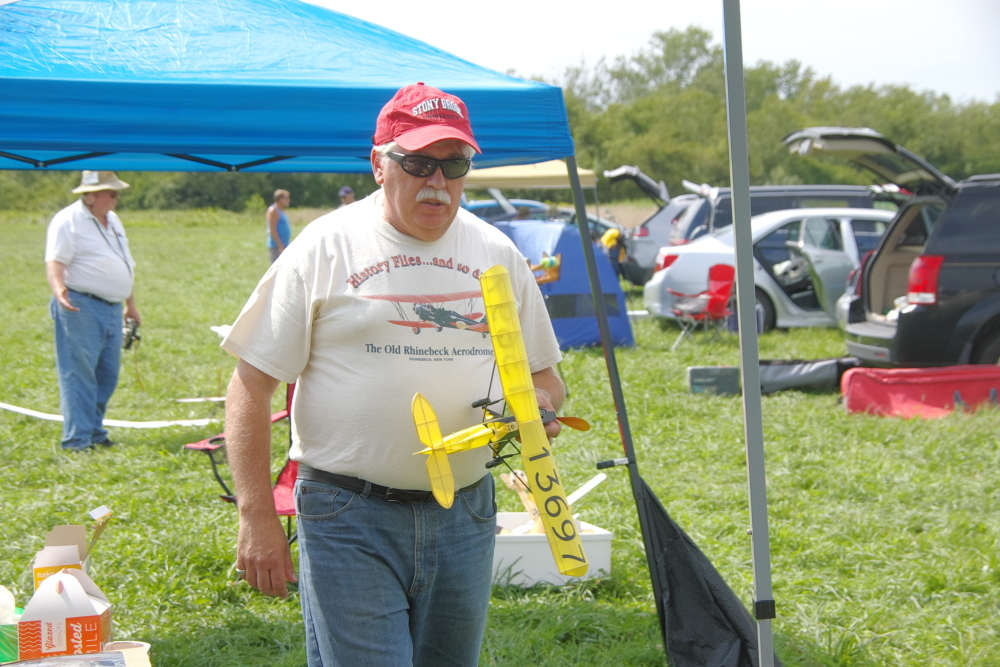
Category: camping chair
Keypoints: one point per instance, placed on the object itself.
(284, 501)
(708, 309)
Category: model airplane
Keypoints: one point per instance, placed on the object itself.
(431, 314)
(527, 423)
(549, 266)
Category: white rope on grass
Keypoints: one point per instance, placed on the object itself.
(112, 422)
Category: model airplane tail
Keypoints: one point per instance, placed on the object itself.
(438, 468)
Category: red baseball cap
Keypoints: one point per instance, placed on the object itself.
(419, 115)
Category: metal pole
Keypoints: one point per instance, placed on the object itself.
(739, 171)
(608, 346)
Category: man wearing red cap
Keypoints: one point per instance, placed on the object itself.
(388, 576)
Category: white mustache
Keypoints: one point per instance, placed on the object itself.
(427, 192)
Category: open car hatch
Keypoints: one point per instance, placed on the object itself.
(868, 149)
(657, 191)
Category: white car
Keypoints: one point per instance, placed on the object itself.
(801, 261)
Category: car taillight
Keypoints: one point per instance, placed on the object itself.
(639, 232)
(923, 283)
(666, 261)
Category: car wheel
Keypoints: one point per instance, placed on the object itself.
(764, 303)
(988, 350)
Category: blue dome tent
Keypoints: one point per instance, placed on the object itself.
(569, 300)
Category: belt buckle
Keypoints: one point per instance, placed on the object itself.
(390, 497)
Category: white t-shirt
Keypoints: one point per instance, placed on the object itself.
(97, 258)
(362, 317)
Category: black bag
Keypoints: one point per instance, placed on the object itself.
(777, 375)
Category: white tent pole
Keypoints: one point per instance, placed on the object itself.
(739, 173)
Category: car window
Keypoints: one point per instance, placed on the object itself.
(971, 223)
(692, 218)
(668, 215)
(773, 249)
(760, 205)
(723, 213)
(822, 233)
(835, 201)
(867, 234)
(918, 230)
(789, 271)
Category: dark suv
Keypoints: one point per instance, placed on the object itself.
(929, 294)
(715, 210)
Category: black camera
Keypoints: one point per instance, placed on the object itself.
(130, 334)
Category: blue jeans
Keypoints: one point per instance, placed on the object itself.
(88, 354)
(387, 584)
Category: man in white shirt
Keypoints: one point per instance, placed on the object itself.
(90, 272)
(388, 576)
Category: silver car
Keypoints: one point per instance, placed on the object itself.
(801, 261)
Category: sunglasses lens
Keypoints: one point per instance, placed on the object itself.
(418, 166)
(424, 167)
(455, 168)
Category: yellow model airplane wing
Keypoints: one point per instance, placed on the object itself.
(438, 468)
(519, 391)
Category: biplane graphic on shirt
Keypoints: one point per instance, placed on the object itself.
(429, 311)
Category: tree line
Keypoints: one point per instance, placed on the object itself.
(661, 109)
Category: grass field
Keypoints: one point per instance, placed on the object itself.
(885, 533)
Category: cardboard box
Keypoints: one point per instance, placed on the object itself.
(526, 560)
(67, 615)
(721, 380)
(66, 546)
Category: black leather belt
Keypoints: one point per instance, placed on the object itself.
(366, 488)
(93, 296)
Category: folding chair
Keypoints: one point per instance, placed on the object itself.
(708, 309)
(284, 501)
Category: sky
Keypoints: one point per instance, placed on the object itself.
(943, 46)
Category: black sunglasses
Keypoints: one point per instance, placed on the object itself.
(424, 167)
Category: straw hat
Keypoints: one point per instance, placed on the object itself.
(95, 181)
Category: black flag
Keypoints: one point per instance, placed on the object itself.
(703, 622)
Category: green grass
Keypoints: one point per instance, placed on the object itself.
(884, 532)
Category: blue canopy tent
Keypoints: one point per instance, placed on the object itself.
(569, 300)
(237, 85)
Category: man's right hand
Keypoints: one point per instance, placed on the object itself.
(62, 296)
(262, 548)
(262, 553)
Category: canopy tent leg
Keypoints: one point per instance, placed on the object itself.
(739, 171)
(701, 618)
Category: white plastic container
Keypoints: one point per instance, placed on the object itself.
(526, 560)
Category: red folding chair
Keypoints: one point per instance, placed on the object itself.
(284, 501)
(708, 309)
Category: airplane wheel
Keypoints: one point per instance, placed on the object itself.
(438, 328)
(416, 330)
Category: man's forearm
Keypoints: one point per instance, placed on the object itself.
(55, 272)
(248, 438)
(549, 382)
